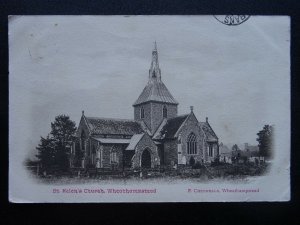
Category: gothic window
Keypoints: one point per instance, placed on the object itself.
(142, 113)
(113, 157)
(83, 137)
(192, 144)
(165, 112)
(210, 150)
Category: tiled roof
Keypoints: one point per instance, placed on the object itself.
(171, 127)
(113, 126)
(155, 90)
(228, 154)
(134, 141)
(210, 134)
(252, 148)
(113, 140)
(245, 153)
(250, 153)
(224, 149)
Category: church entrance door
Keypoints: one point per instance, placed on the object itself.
(146, 159)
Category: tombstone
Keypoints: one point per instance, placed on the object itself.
(98, 164)
(172, 163)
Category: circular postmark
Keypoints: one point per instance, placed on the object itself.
(232, 20)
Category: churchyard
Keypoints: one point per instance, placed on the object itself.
(199, 173)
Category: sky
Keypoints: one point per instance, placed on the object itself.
(237, 76)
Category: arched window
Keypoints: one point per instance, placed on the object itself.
(192, 144)
(83, 137)
(210, 150)
(165, 112)
(142, 113)
(93, 155)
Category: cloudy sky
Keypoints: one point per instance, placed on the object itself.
(237, 76)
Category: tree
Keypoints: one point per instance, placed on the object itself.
(46, 152)
(52, 150)
(235, 153)
(62, 130)
(265, 141)
(235, 147)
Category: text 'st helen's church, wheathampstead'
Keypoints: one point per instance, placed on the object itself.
(156, 137)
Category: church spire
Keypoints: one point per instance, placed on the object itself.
(155, 89)
(154, 71)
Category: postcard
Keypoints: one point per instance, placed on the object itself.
(149, 108)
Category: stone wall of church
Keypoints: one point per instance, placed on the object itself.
(145, 143)
(215, 152)
(153, 113)
(147, 113)
(205, 151)
(92, 153)
(106, 156)
(157, 113)
(90, 156)
(108, 149)
(83, 147)
(82, 127)
(171, 154)
(191, 126)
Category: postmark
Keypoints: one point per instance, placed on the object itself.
(232, 20)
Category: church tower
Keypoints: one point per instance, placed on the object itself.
(155, 103)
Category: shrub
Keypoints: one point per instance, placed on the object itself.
(197, 165)
(192, 161)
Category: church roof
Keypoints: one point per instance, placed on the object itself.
(113, 140)
(135, 139)
(210, 134)
(155, 89)
(113, 126)
(171, 127)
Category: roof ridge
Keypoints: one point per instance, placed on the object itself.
(106, 118)
(172, 125)
(182, 115)
(208, 128)
(212, 130)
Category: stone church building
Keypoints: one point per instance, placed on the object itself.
(157, 136)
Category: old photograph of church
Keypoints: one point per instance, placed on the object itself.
(148, 101)
(157, 136)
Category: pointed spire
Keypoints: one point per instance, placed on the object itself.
(155, 89)
(154, 71)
